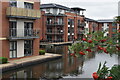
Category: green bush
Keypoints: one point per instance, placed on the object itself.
(41, 52)
(3, 60)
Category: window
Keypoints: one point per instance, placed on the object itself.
(114, 24)
(48, 10)
(13, 49)
(13, 31)
(55, 11)
(28, 47)
(49, 30)
(72, 22)
(60, 21)
(68, 21)
(114, 29)
(28, 5)
(49, 38)
(60, 10)
(28, 29)
(49, 20)
(113, 35)
(13, 3)
(78, 22)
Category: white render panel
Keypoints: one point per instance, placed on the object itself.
(20, 48)
(20, 28)
(20, 4)
(119, 8)
(61, 11)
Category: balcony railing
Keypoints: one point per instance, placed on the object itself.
(23, 13)
(81, 32)
(57, 40)
(55, 32)
(81, 24)
(54, 23)
(23, 33)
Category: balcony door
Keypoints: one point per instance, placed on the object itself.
(12, 28)
(28, 47)
(28, 28)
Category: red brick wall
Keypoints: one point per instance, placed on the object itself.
(76, 18)
(0, 29)
(37, 25)
(5, 30)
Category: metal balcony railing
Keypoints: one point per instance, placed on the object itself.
(23, 13)
(81, 32)
(55, 32)
(57, 40)
(55, 23)
(23, 33)
(81, 24)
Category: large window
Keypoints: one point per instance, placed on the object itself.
(28, 47)
(13, 3)
(114, 24)
(13, 49)
(49, 30)
(13, 31)
(28, 5)
(60, 21)
(114, 29)
(49, 38)
(55, 11)
(28, 29)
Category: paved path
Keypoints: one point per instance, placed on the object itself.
(14, 64)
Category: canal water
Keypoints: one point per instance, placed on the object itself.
(66, 67)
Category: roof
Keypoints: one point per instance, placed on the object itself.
(78, 9)
(52, 5)
(90, 20)
(106, 20)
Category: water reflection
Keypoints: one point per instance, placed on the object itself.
(66, 67)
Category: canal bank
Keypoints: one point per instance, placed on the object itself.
(20, 63)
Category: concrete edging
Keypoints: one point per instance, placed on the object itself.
(13, 66)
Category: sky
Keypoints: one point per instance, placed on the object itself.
(95, 9)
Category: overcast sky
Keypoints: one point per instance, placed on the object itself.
(95, 9)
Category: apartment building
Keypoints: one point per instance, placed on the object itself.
(20, 28)
(107, 25)
(91, 25)
(61, 23)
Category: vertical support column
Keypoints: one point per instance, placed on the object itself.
(20, 43)
(65, 29)
(1, 29)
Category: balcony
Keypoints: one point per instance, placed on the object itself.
(14, 12)
(22, 34)
(81, 24)
(81, 32)
(59, 32)
(55, 23)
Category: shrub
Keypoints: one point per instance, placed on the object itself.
(41, 52)
(3, 60)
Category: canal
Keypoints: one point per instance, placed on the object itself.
(63, 68)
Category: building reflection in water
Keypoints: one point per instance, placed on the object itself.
(65, 66)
